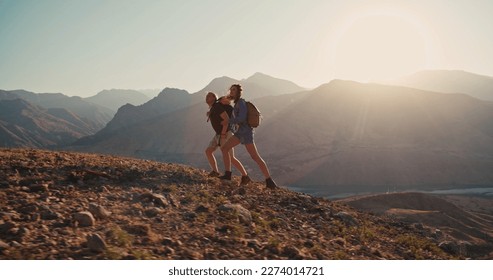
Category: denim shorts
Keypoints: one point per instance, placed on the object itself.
(245, 136)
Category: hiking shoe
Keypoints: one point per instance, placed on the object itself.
(226, 176)
(213, 174)
(269, 183)
(245, 180)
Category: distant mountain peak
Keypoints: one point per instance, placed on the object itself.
(169, 90)
(259, 75)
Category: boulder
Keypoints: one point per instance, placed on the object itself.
(347, 219)
(84, 219)
(96, 243)
(98, 211)
(244, 216)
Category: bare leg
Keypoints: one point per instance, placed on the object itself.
(236, 163)
(226, 148)
(209, 152)
(252, 150)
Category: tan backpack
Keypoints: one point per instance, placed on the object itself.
(253, 115)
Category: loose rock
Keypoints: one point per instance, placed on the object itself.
(84, 219)
(98, 211)
(96, 243)
(244, 215)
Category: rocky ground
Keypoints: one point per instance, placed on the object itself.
(462, 224)
(58, 205)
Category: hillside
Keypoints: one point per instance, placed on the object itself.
(465, 229)
(96, 116)
(59, 205)
(451, 81)
(26, 125)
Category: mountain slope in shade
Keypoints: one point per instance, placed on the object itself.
(341, 137)
(451, 81)
(170, 100)
(351, 137)
(95, 115)
(115, 98)
(25, 125)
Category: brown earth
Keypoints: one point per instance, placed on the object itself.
(59, 205)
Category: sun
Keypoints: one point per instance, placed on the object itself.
(379, 47)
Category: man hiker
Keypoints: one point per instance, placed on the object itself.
(219, 113)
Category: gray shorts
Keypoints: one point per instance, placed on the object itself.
(216, 140)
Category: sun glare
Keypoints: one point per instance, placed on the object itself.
(379, 47)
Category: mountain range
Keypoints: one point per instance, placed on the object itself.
(115, 98)
(172, 99)
(340, 137)
(51, 115)
(95, 115)
(25, 125)
(451, 81)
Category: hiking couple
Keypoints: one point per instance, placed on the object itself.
(231, 127)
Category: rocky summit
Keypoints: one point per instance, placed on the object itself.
(60, 205)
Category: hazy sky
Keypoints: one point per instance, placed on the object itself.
(79, 47)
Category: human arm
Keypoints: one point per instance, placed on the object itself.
(224, 123)
(240, 115)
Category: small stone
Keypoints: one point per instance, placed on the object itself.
(202, 209)
(98, 211)
(38, 188)
(339, 241)
(244, 216)
(291, 252)
(23, 231)
(28, 209)
(84, 219)
(35, 217)
(189, 216)
(6, 227)
(253, 243)
(15, 244)
(49, 215)
(347, 218)
(242, 191)
(308, 244)
(172, 200)
(96, 243)
(152, 212)
(167, 241)
(9, 216)
(157, 199)
(139, 229)
(3, 246)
